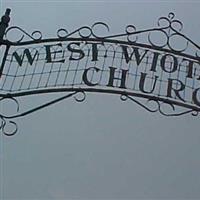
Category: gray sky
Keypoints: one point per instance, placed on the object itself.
(102, 148)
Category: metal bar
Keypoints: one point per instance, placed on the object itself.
(105, 91)
(112, 41)
(5, 19)
(40, 107)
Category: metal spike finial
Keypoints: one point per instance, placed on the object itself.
(5, 19)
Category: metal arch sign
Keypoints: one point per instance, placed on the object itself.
(161, 73)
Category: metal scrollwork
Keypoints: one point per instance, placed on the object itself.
(168, 29)
(62, 33)
(35, 36)
(84, 31)
(102, 25)
(130, 31)
(80, 96)
(125, 97)
(8, 127)
(153, 105)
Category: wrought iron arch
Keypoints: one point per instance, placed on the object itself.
(82, 61)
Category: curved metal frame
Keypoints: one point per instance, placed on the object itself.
(167, 26)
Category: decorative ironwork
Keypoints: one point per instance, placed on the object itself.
(153, 71)
(168, 27)
(158, 106)
(6, 120)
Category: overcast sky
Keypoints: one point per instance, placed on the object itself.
(102, 148)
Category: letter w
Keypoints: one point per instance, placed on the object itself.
(27, 53)
(138, 57)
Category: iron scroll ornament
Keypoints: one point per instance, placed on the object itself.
(108, 51)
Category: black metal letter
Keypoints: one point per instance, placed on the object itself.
(189, 67)
(49, 58)
(85, 77)
(163, 62)
(138, 57)
(112, 77)
(95, 50)
(73, 50)
(26, 52)
(176, 91)
(194, 97)
(142, 83)
(154, 61)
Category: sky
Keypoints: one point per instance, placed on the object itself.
(102, 148)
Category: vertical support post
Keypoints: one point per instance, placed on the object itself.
(5, 19)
